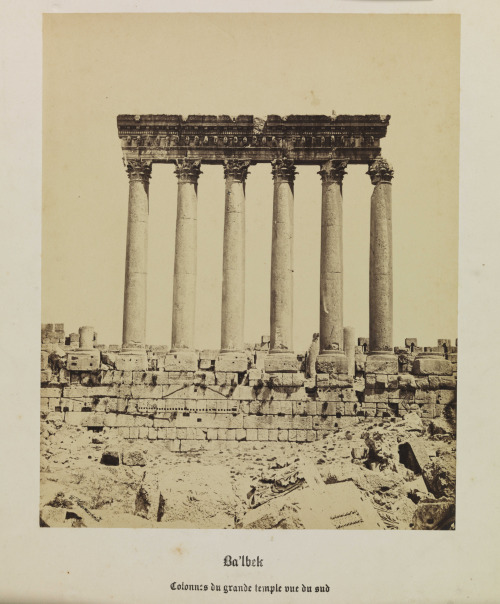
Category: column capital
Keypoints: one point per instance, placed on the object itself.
(333, 171)
(237, 169)
(138, 169)
(187, 170)
(380, 170)
(283, 170)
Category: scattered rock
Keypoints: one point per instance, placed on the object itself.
(110, 458)
(434, 515)
(133, 458)
(440, 475)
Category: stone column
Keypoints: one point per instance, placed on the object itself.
(281, 356)
(86, 337)
(350, 350)
(331, 358)
(134, 308)
(232, 356)
(183, 355)
(381, 357)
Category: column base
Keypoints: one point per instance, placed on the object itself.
(281, 362)
(231, 361)
(429, 363)
(331, 362)
(382, 362)
(181, 360)
(132, 359)
(83, 360)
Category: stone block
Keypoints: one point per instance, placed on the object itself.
(94, 420)
(330, 395)
(133, 432)
(422, 383)
(407, 382)
(152, 434)
(181, 361)
(240, 434)
(326, 408)
(252, 434)
(151, 392)
(110, 420)
(432, 365)
(333, 364)
(272, 435)
(307, 407)
(444, 397)
(425, 396)
(438, 382)
(298, 379)
(281, 362)
(83, 360)
(182, 433)
(262, 434)
(141, 378)
(349, 396)
(328, 422)
(351, 408)
(75, 418)
(376, 397)
(282, 435)
(381, 381)
(301, 436)
(190, 445)
(383, 363)
(322, 380)
(143, 432)
(310, 436)
(123, 432)
(161, 433)
(292, 436)
(212, 433)
(231, 363)
(171, 433)
(275, 422)
(53, 392)
(230, 434)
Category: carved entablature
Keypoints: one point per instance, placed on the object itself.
(307, 139)
(237, 169)
(380, 170)
(333, 171)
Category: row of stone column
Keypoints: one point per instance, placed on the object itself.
(282, 358)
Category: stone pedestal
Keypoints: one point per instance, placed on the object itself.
(184, 291)
(132, 359)
(281, 357)
(232, 362)
(134, 309)
(281, 362)
(233, 262)
(382, 362)
(181, 360)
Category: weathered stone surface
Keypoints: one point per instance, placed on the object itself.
(432, 366)
(382, 364)
(133, 457)
(281, 363)
(434, 515)
(231, 363)
(332, 364)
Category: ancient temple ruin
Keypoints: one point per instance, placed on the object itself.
(192, 398)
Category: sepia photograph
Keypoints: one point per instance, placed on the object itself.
(249, 271)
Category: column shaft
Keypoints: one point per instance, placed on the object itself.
(233, 262)
(184, 290)
(134, 308)
(282, 269)
(331, 275)
(381, 314)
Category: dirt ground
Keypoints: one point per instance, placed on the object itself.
(213, 488)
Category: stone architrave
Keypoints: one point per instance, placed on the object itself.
(281, 356)
(381, 357)
(331, 358)
(232, 356)
(134, 308)
(183, 355)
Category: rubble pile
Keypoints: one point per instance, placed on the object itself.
(365, 474)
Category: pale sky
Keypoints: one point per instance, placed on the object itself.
(98, 66)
